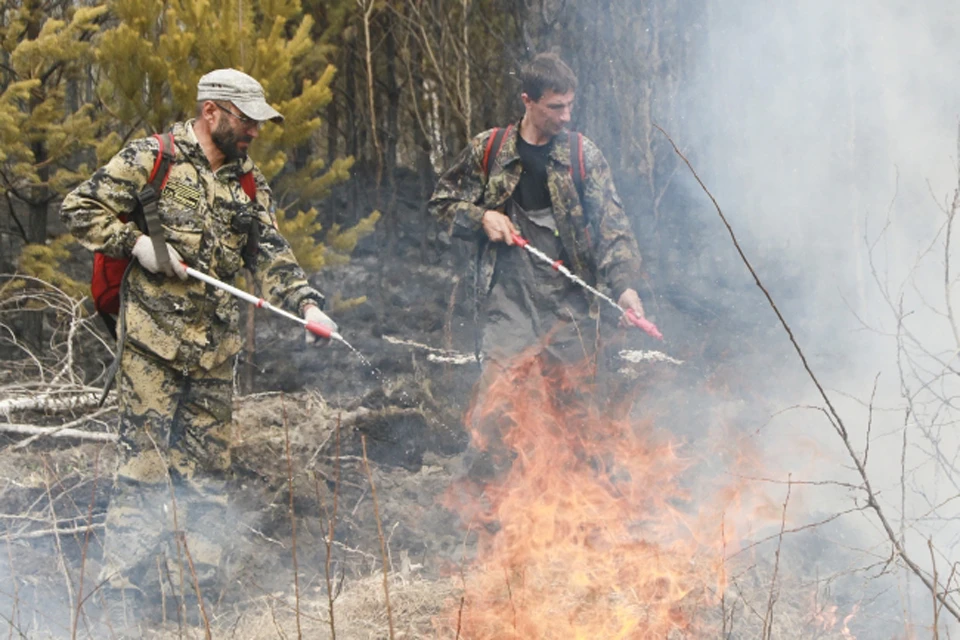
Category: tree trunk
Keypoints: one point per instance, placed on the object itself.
(392, 122)
(350, 74)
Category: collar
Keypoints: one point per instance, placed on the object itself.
(559, 152)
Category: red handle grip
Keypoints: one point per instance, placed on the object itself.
(519, 240)
(644, 324)
(321, 330)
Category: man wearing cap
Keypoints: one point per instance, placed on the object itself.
(177, 336)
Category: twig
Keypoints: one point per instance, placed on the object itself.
(196, 586)
(383, 544)
(873, 396)
(936, 607)
(86, 543)
(61, 558)
(772, 599)
(16, 587)
(163, 592)
(463, 600)
(182, 606)
(513, 605)
(723, 574)
(331, 528)
(293, 519)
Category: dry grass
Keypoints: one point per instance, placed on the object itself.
(359, 610)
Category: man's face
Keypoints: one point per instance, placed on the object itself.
(233, 132)
(551, 113)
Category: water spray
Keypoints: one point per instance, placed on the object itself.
(313, 327)
(557, 265)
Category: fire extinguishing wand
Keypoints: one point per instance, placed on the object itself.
(313, 327)
(557, 265)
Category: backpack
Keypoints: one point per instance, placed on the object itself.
(108, 273)
(577, 170)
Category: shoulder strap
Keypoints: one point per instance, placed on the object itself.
(149, 197)
(493, 148)
(577, 169)
(249, 184)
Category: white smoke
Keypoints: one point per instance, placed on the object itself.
(828, 133)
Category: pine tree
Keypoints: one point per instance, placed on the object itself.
(46, 51)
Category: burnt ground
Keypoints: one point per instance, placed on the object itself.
(409, 409)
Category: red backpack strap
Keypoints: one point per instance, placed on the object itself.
(249, 184)
(250, 251)
(493, 147)
(161, 164)
(577, 170)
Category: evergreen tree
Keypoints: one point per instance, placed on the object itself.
(47, 50)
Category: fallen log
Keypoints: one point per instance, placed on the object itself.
(53, 431)
(440, 356)
(33, 535)
(51, 403)
(57, 432)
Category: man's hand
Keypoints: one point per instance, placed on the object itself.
(144, 253)
(313, 314)
(630, 300)
(498, 227)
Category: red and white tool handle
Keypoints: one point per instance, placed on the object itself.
(315, 328)
(644, 324)
(318, 329)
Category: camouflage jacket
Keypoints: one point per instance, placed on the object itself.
(595, 234)
(205, 216)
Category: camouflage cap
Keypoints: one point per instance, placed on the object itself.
(240, 89)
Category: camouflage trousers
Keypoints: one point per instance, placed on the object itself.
(166, 523)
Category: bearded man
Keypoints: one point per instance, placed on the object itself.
(177, 337)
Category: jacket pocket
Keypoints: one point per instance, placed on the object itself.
(154, 313)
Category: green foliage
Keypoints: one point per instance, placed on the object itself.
(338, 304)
(341, 242)
(299, 231)
(302, 230)
(47, 50)
(42, 261)
(39, 135)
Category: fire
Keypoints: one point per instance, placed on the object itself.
(827, 618)
(590, 533)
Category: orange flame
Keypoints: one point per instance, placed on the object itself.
(589, 533)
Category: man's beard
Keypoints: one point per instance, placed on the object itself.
(226, 139)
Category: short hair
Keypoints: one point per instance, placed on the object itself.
(546, 71)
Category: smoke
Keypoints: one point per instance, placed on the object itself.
(809, 121)
(828, 133)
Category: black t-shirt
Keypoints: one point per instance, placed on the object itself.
(532, 192)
